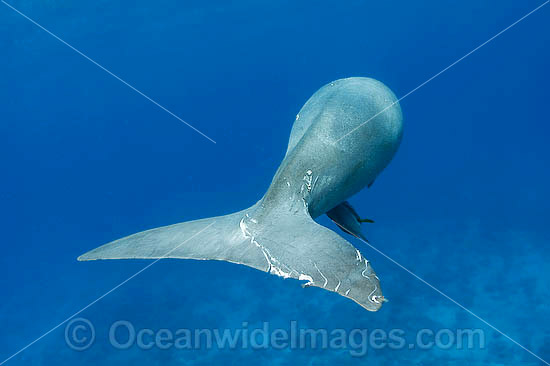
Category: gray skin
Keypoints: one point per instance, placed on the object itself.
(343, 137)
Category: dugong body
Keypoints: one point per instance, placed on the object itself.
(343, 137)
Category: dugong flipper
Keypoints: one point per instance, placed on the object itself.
(323, 166)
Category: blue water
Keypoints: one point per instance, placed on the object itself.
(86, 160)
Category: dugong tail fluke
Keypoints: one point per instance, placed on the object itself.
(320, 171)
(293, 246)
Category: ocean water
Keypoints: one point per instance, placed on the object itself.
(85, 160)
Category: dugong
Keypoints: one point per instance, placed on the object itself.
(343, 137)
